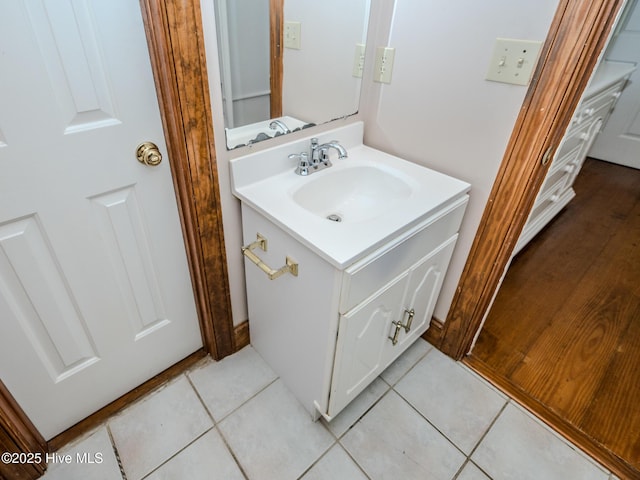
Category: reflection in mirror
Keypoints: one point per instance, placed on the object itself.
(296, 61)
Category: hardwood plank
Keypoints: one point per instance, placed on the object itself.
(613, 416)
(534, 287)
(580, 371)
(564, 367)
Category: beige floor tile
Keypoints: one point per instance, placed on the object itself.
(227, 384)
(519, 446)
(274, 437)
(151, 431)
(393, 441)
(92, 457)
(205, 459)
(453, 399)
(335, 465)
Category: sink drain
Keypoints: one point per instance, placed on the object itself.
(334, 217)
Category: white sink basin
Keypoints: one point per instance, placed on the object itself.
(371, 196)
(353, 194)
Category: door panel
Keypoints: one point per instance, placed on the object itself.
(95, 293)
(363, 338)
(619, 142)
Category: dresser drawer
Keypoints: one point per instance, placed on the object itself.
(561, 170)
(376, 270)
(590, 109)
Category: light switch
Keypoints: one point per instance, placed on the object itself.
(513, 61)
(384, 64)
(292, 35)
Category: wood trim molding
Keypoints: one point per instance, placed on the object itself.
(577, 35)
(176, 47)
(276, 26)
(241, 335)
(433, 335)
(19, 435)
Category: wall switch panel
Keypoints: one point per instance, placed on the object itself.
(358, 60)
(292, 35)
(513, 61)
(384, 64)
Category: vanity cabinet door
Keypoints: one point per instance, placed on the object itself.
(363, 336)
(421, 293)
(366, 333)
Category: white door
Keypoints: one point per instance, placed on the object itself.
(619, 142)
(95, 293)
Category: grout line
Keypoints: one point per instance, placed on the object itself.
(313, 464)
(215, 424)
(115, 452)
(486, 432)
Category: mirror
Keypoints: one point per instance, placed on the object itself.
(295, 61)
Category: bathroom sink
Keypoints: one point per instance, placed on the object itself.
(344, 212)
(353, 194)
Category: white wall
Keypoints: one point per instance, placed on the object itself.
(438, 111)
(318, 83)
(249, 49)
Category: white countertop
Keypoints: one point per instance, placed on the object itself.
(606, 75)
(268, 188)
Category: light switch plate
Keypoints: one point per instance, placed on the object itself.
(513, 61)
(292, 35)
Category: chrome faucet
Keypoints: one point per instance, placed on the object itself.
(318, 157)
(320, 153)
(279, 125)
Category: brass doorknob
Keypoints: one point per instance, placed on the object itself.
(148, 154)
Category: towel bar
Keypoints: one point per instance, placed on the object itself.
(261, 242)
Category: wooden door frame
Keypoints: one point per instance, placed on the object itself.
(276, 60)
(576, 38)
(176, 48)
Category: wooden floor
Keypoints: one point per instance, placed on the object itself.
(563, 335)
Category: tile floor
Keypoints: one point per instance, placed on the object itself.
(425, 417)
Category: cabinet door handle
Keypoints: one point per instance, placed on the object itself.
(407, 326)
(261, 242)
(398, 325)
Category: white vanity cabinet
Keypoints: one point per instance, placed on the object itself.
(590, 117)
(329, 332)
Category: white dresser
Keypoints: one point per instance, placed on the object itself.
(591, 115)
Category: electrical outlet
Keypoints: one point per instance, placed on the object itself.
(358, 60)
(292, 35)
(513, 61)
(384, 64)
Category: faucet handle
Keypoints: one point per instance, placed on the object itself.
(303, 163)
